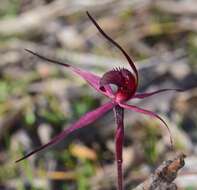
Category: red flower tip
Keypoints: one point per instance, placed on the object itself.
(124, 80)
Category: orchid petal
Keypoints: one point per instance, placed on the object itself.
(144, 95)
(85, 120)
(147, 112)
(91, 78)
(131, 63)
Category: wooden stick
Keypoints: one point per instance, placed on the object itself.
(163, 177)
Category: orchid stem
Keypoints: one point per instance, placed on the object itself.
(119, 137)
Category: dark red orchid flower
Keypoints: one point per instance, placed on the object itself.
(126, 82)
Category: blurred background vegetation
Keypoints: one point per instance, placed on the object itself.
(37, 99)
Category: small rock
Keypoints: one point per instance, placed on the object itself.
(44, 132)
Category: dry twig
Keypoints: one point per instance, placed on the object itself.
(163, 177)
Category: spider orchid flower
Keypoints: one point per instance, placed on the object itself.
(126, 82)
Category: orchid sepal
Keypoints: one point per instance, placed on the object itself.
(151, 114)
(91, 78)
(85, 120)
